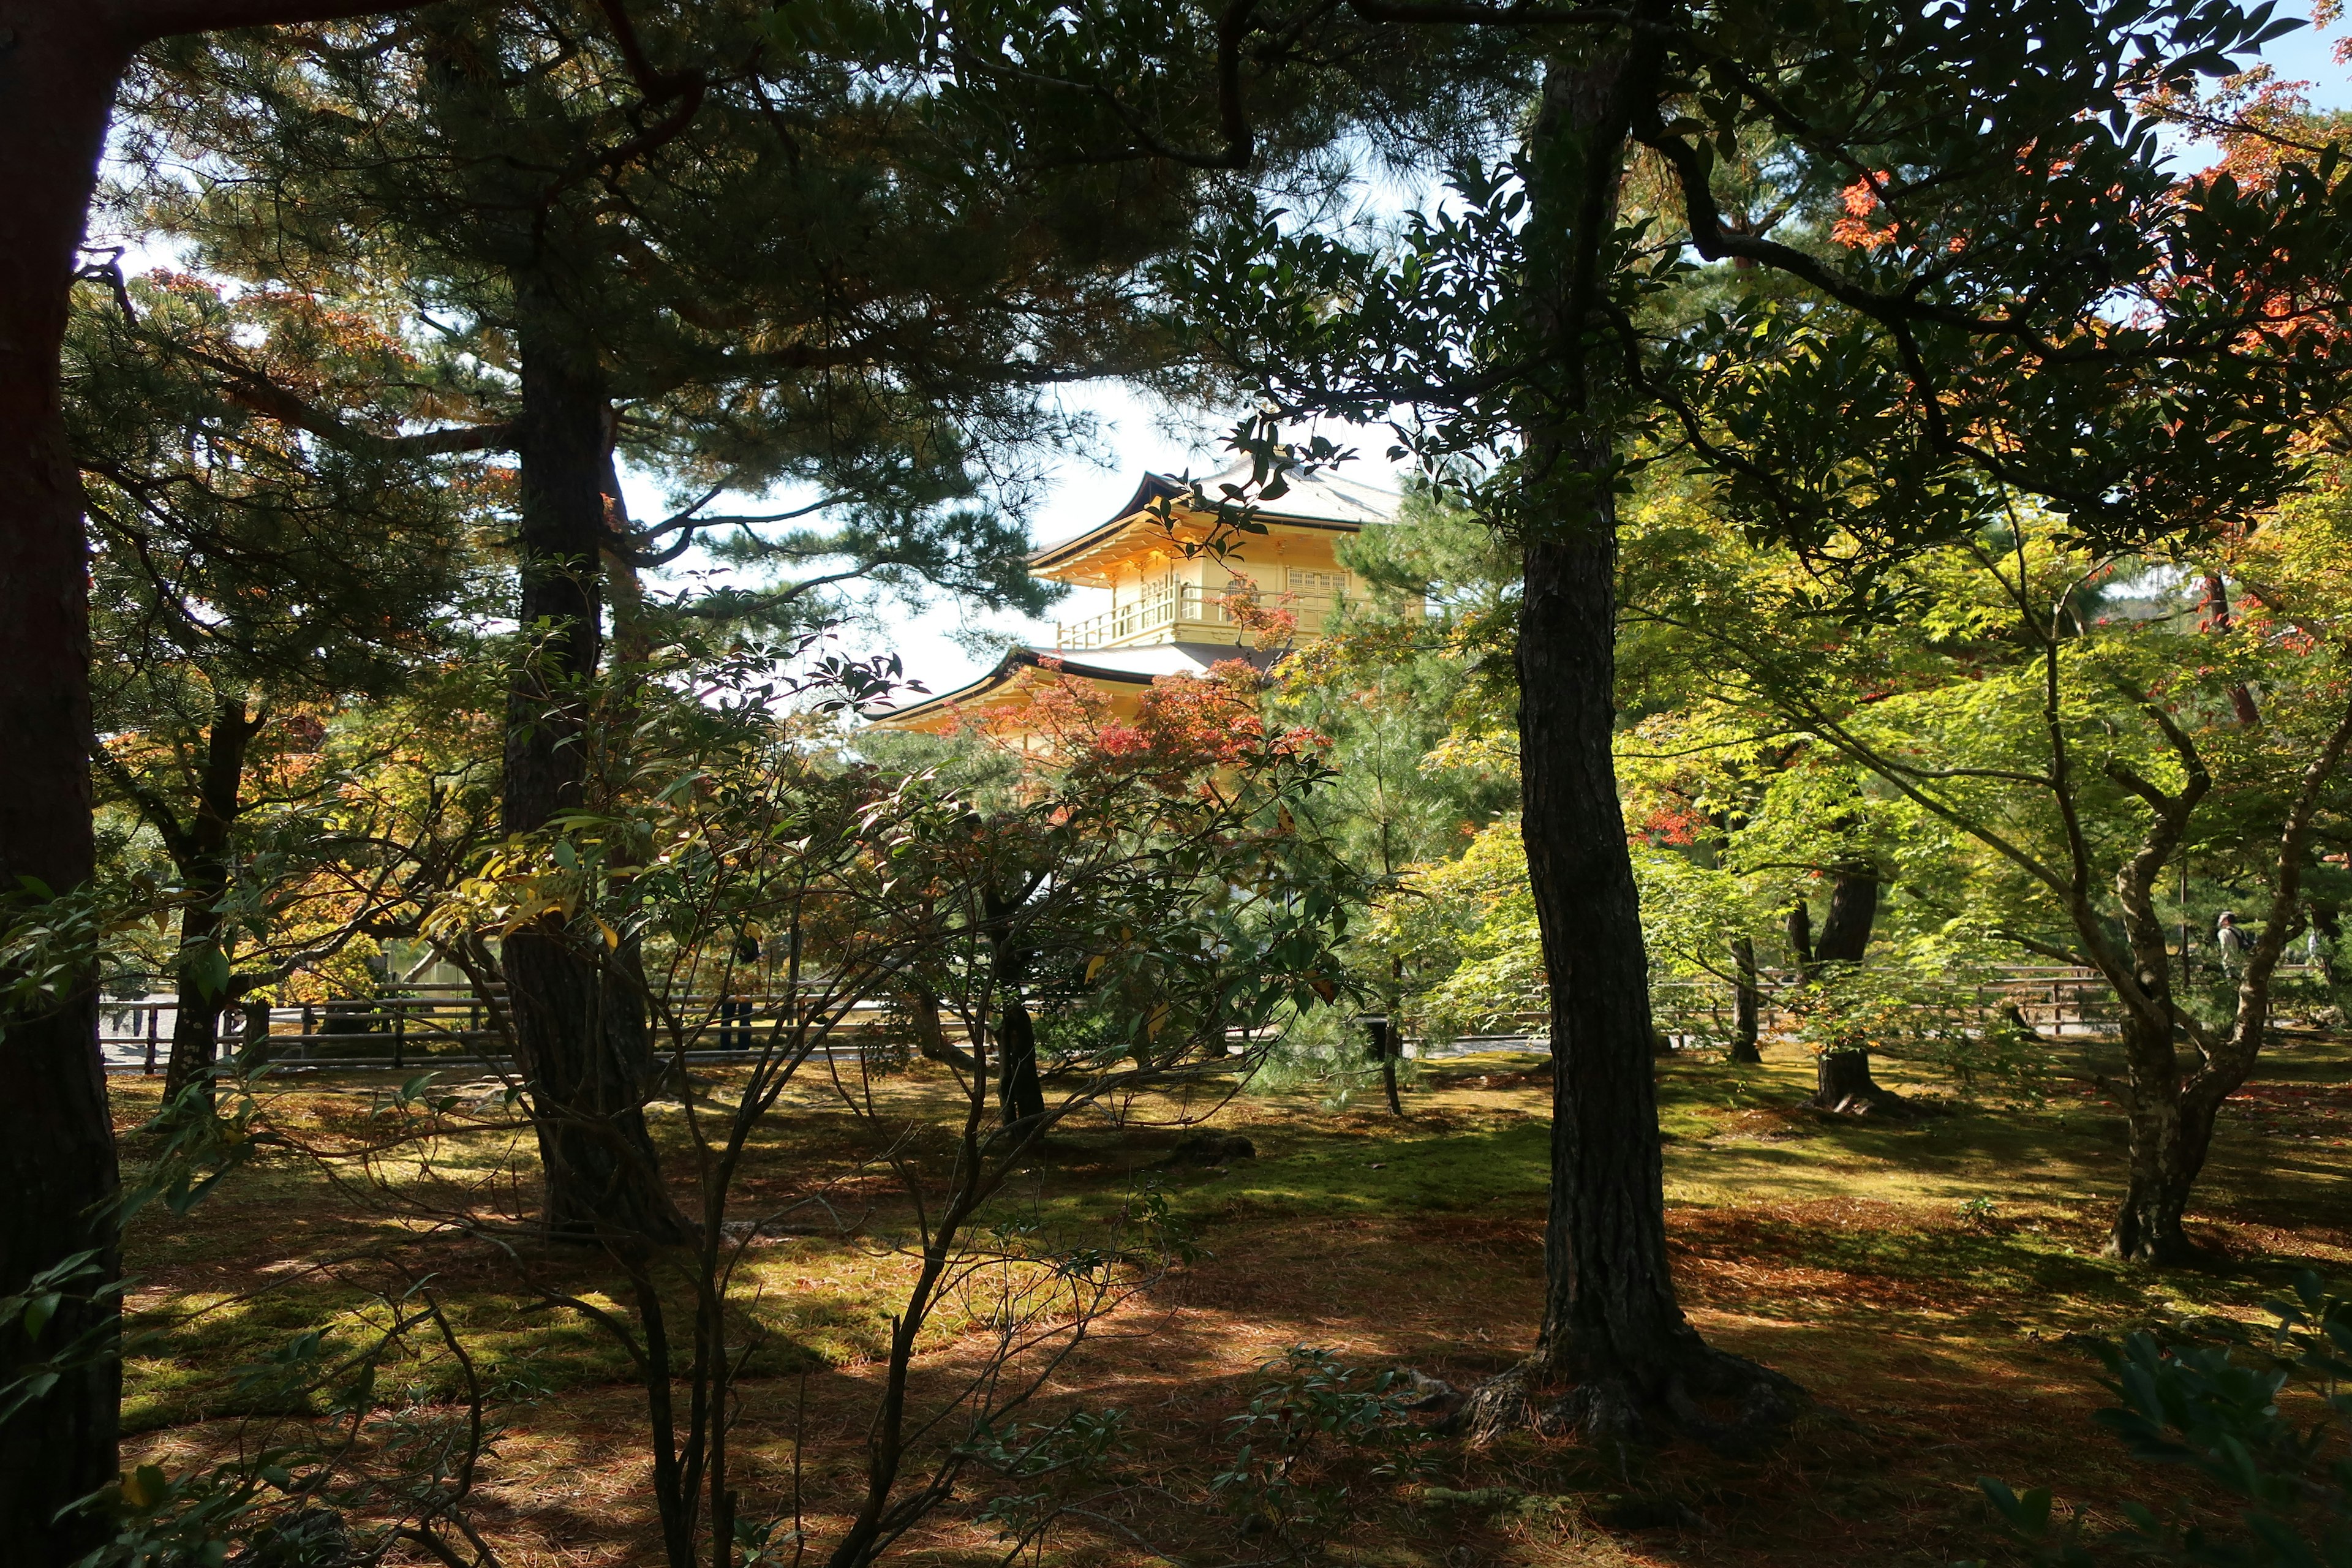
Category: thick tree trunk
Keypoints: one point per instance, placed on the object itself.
(205, 868)
(58, 67)
(1842, 1081)
(196, 1007)
(2171, 1132)
(1746, 1004)
(58, 70)
(1611, 1312)
(1612, 1327)
(1853, 910)
(1801, 939)
(580, 1022)
(253, 1037)
(1020, 1096)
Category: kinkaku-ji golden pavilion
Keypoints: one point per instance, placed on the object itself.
(1171, 612)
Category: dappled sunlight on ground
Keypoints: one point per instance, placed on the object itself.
(1929, 1280)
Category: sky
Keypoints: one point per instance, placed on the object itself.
(1084, 489)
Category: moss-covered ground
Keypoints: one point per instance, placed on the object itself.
(1931, 1282)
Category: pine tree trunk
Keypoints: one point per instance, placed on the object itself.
(1842, 1081)
(1611, 1310)
(1611, 1324)
(1746, 1004)
(58, 67)
(205, 868)
(57, 70)
(579, 1020)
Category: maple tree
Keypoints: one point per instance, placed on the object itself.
(2054, 731)
(2040, 305)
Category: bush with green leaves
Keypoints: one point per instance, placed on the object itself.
(2263, 1418)
(1923, 1000)
(1314, 1436)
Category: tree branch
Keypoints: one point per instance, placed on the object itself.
(257, 392)
(144, 21)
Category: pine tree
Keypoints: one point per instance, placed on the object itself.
(675, 246)
(241, 576)
(57, 86)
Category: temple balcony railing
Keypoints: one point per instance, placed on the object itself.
(1186, 612)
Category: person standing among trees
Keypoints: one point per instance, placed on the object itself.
(2230, 943)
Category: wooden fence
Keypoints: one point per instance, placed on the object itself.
(2057, 1001)
(452, 1023)
(433, 1024)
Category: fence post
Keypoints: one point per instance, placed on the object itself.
(399, 1035)
(153, 1008)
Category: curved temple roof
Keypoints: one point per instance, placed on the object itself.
(1317, 501)
(1118, 666)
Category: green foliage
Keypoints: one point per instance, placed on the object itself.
(815, 279)
(1325, 1050)
(50, 944)
(350, 1475)
(1045, 1461)
(1919, 1001)
(2263, 1418)
(1315, 1435)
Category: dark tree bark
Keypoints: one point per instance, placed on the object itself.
(579, 1012)
(1801, 939)
(253, 1038)
(1390, 1038)
(58, 67)
(1843, 1081)
(2169, 1111)
(1746, 1004)
(2170, 1134)
(1019, 1094)
(1612, 1328)
(931, 1035)
(58, 72)
(1853, 911)
(2242, 707)
(202, 853)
